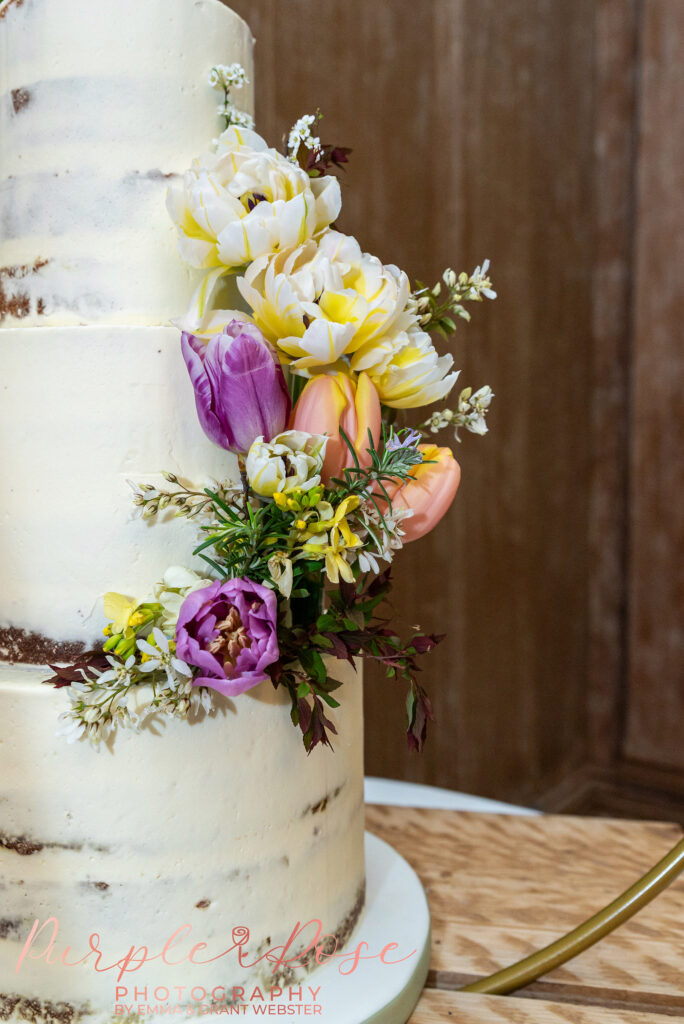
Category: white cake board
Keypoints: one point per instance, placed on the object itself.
(396, 911)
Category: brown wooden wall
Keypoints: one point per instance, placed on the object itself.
(548, 137)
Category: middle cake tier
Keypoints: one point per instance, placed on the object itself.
(90, 409)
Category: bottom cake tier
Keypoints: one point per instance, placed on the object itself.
(218, 830)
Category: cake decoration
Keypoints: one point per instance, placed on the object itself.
(227, 77)
(215, 800)
(304, 353)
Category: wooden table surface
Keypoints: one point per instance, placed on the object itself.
(501, 887)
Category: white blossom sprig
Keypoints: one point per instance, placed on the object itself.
(152, 682)
(438, 308)
(301, 135)
(227, 77)
(185, 501)
(384, 535)
(470, 413)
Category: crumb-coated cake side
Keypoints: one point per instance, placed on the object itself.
(219, 822)
(101, 107)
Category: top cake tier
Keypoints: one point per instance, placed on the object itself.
(101, 106)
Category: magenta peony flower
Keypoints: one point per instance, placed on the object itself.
(228, 631)
(240, 389)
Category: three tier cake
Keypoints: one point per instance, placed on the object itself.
(222, 821)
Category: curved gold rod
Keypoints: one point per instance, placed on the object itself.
(586, 934)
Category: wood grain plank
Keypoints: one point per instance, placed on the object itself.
(501, 887)
(617, 27)
(508, 684)
(437, 1007)
(656, 670)
(622, 790)
(471, 125)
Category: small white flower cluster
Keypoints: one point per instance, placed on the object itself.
(384, 532)
(479, 283)
(437, 307)
(467, 289)
(300, 135)
(227, 77)
(470, 413)
(97, 704)
(419, 306)
(149, 500)
(122, 695)
(233, 116)
(160, 659)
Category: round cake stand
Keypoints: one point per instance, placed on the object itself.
(396, 912)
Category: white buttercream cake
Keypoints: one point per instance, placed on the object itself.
(217, 822)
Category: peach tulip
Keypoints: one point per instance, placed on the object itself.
(331, 401)
(429, 492)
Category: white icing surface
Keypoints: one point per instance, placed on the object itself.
(99, 104)
(83, 410)
(218, 810)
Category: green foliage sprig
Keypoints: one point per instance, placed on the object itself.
(350, 628)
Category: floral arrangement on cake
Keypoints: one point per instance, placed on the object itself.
(303, 376)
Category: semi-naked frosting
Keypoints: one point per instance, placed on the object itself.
(84, 410)
(101, 106)
(221, 821)
(217, 823)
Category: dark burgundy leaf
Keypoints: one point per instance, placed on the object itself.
(65, 675)
(339, 647)
(422, 714)
(323, 160)
(304, 709)
(423, 643)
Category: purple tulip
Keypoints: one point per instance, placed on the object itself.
(240, 389)
(228, 631)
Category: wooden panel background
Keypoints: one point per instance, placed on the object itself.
(515, 131)
(656, 636)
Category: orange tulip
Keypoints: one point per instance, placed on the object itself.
(331, 401)
(429, 492)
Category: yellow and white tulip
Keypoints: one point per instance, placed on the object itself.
(245, 200)
(414, 374)
(326, 300)
(291, 460)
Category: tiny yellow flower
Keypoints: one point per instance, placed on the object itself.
(331, 537)
(339, 524)
(118, 608)
(336, 564)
